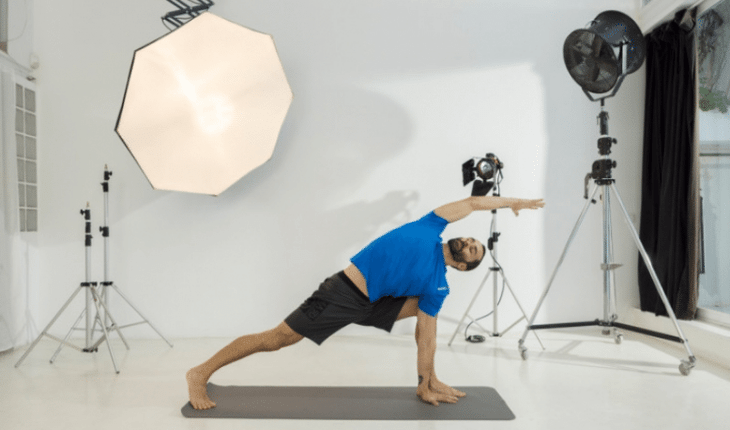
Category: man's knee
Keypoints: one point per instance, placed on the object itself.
(280, 337)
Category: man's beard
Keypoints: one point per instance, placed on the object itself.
(456, 246)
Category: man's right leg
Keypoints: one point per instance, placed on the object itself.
(270, 340)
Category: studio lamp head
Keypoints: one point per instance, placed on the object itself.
(600, 56)
(483, 171)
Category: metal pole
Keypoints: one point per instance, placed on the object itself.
(105, 233)
(654, 277)
(86, 213)
(560, 262)
(495, 292)
(606, 254)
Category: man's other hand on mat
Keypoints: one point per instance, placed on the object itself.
(440, 387)
(431, 395)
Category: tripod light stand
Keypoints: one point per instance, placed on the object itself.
(96, 296)
(590, 55)
(486, 174)
(497, 271)
(93, 301)
(107, 282)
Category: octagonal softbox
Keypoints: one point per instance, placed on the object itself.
(204, 105)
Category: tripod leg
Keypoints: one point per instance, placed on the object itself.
(108, 316)
(686, 365)
(58, 314)
(474, 299)
(140, 313)
(523, 349)
(524, 314)
(68, 335)
(97, 301)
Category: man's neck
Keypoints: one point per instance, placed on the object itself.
(448, 257)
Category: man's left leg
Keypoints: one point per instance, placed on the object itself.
(271, 340)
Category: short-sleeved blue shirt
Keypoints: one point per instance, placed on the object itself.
(408, 262)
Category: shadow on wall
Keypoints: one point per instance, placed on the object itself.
(334, 139)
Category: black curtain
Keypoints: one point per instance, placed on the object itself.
(667, 167)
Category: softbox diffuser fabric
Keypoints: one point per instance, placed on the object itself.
(204, 105)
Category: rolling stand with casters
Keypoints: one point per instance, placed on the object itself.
(601, 174)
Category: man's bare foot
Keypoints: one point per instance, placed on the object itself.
(197, 391)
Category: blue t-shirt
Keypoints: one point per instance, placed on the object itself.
(408, 262)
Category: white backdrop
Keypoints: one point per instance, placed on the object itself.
(390, 97)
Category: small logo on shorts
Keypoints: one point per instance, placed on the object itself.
(443, 288)
(313, 307)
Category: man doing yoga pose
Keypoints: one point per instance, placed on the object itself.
(399, 275)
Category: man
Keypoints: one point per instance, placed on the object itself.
(401, 274)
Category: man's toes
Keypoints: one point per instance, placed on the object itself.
(203, 405)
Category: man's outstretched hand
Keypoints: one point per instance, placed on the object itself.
(526, 204)
(437, 391)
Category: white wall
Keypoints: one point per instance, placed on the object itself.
(19, 262)
(390, 97)
(20, 30)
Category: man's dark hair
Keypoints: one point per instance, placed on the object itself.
(474, 264)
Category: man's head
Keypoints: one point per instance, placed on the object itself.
(467, 250)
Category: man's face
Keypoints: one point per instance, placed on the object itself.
(466, 250)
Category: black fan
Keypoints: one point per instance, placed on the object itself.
(600, 56)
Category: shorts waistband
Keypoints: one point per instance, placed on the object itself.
(348, 281)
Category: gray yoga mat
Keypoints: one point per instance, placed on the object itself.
(347, 403)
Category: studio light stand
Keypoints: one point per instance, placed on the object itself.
(496, 271)
(107, 284)
(97, 296)
(485, 174)
(601, 175)
(92, 301)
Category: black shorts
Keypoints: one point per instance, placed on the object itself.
(337, 303)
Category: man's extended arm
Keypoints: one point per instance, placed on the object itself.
(460, 209)
(430, 389)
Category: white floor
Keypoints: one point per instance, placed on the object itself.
(582, 381)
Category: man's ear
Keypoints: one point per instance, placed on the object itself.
(461, 266)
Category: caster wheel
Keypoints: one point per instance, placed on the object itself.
(618, 339)
(523, 353)
(685, 368)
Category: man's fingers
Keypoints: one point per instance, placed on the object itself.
(447, 398)
(454, 392)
